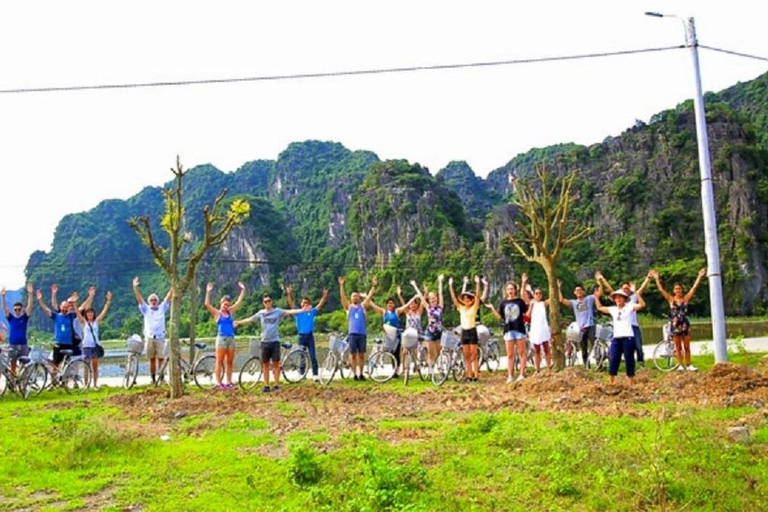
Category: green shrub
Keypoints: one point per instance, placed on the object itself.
(303, 467)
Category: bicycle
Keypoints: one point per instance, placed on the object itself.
(25, 380)
(488, 353)
(415, 356)
(664, 357)
(135, 347)
(382, 364)
(294, 365)
(201, 370)
(450, 360)
(572, 344)
(73, 373)
(337, 360)
(603, 337)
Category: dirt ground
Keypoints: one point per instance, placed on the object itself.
(361, 407)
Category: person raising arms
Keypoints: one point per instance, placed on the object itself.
(225, 337)
(584, 311)
(623, 337)
(678, 317)
(633, 294)
(355, 308)
(391, 316)
(514, 308)
(17, 326)
(92, 349)
(467, 307)
(305, 324)
(540, 332)
(154, 325)
(434, 329)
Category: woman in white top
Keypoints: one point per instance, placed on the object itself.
(540, 333)
(623, 335)
(92, 349)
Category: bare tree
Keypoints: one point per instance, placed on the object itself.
(216, 227)
(544, 229)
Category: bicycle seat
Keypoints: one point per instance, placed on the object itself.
(200, 345)
(378, 341)
(24, 360)
(66, 352)
(286, 344)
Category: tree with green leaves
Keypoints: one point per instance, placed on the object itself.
(217, 224)
(544, 228)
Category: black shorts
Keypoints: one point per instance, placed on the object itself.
(58, 357)
(469, 336)
(270, 351)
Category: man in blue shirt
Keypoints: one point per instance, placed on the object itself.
(17, 326)
(63, 327)
(305, 324)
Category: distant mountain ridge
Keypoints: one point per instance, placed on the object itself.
(321, 210)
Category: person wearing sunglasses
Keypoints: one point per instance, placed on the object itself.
(623, 335)
(17, 326)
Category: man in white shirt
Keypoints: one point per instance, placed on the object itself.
(154, 326)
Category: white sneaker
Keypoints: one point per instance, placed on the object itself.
(520, 378)
(692, 369)
(509, 379)
(681, 368)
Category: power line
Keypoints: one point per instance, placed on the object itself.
(731, 52)
(329, 74)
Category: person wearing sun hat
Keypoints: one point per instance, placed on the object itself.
(468, 304)
(623, 336)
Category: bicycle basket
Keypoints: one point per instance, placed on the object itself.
(38, 355)
(254, 347)
(483, 334)
(410, 338)
(336, 344)
(604, 332)
(449, 341)
(135, 344)
(573, 333)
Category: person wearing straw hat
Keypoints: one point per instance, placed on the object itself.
(467, 305)
(623, 337)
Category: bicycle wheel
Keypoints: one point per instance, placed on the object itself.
(250, 373)
(204, 372)
(458, 369)
(328, 369)
(295, 366)
(407, 370)
(345, 369)
(161, 373)
(422, 363)
(382, 366)
(664, 356)
(32, 380)
(441, 368)
(77, 376)
(3, 382)
(131, 371)
(601, 356)
(480, 357)
(492, 362)
(570, 360)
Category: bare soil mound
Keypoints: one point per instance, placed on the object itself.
(362, 407)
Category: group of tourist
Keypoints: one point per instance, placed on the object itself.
(522, 313)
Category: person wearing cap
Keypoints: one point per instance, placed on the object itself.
(629, 290)
(514, 309)
(623, 337)
(225, 338)
(269, 317)
(305, 324)
(154, 315)
(467, 305)
(17, 326)
(355, 308)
